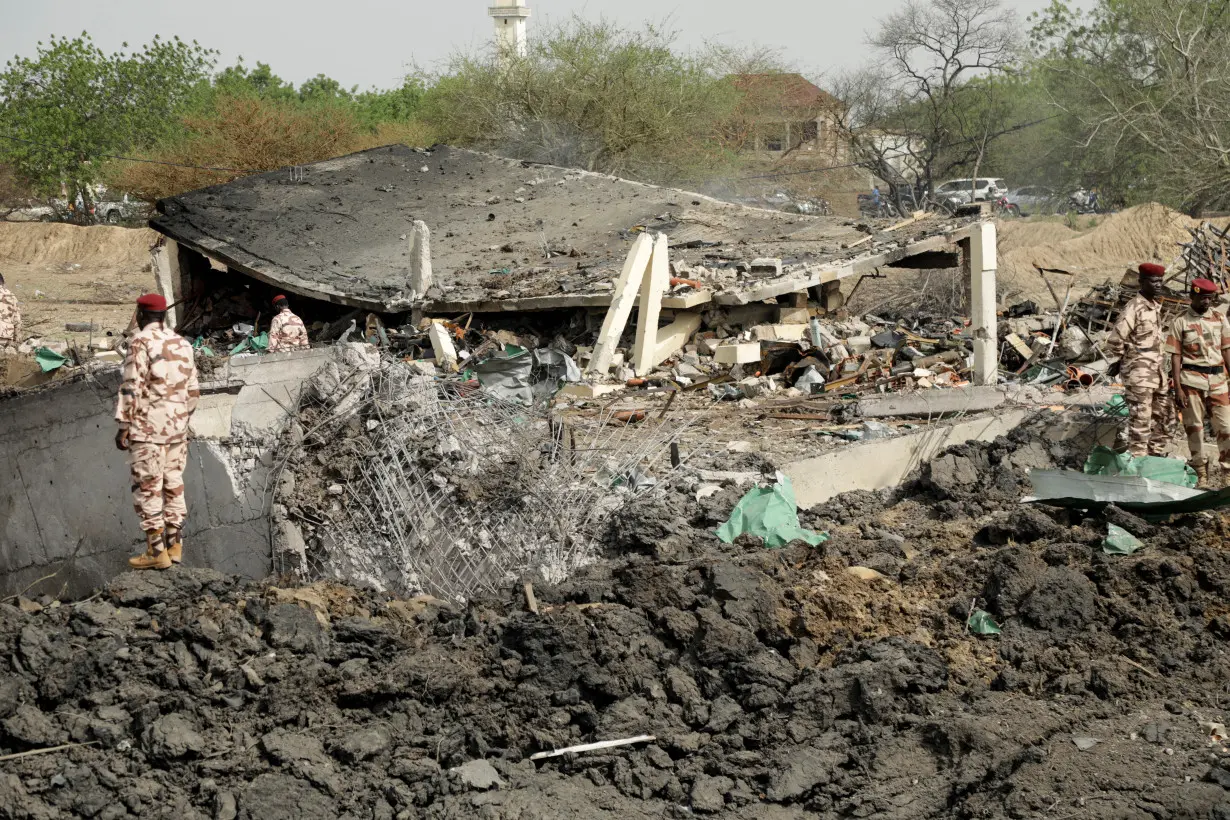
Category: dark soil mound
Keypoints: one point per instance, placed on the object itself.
(777, 684)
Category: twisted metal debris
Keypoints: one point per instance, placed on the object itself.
(1207, 255)
(454, 492)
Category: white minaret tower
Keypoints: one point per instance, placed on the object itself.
(510, 17)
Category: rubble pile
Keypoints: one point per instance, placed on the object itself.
(840, 680)
(407, 483)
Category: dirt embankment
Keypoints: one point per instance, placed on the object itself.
(66, 273)
(1145, 233)
(777, 686)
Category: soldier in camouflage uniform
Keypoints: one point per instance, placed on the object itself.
(159, 394)
(1199, 346)
(1137, 339)
(10, 320)
(286, 331)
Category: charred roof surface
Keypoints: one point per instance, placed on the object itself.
(505, 235)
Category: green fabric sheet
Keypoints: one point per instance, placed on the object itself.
(1117, 406)
(1119, 541)
(257, 344)
(981, 623)
(49, 360)
(1104, 461)
(769, 513)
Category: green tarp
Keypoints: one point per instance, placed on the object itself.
(1119, 541)
(1151, 500)
(257, 344)
(1117, 406)
(49, 360)
(769, 513)
(1104, 461)
(981, 623)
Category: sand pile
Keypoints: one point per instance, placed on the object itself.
(52, 243)
(1016, 234)
(1141, 234)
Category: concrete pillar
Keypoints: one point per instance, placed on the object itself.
(831, 297)
(626, 289)
(167, 276)
(420, 259)
(654, 284)
(983, 263)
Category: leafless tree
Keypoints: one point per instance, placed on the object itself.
(1148, 82)
(929, 102)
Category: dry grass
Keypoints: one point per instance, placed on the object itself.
(252, 136)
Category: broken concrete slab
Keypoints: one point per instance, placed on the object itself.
(877, 465)
(443, 347)
(933, 402)
(357, 251)
(779, 333)
(741, 353)
(78, 524)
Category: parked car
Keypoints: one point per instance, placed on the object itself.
(965, 191)
(34, 213)
(1034, 198)
(116, 211)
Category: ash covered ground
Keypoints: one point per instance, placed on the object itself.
(777, 684)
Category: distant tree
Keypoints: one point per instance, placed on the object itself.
(394, 105)
(321, 89)
(238, 80)
(252, 135)
(934, 99)
(1145, 88)
(591, 95)
(65, 109)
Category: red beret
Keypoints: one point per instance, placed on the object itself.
(153, 302)
(1152, 269)
(1204, 286)
(280, 298)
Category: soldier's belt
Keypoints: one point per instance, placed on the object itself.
(1208, 370)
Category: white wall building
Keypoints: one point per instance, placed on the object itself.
(510, 17)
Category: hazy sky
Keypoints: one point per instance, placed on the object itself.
(368, 43)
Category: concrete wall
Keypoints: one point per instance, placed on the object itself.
(65, 503)
(877, 465)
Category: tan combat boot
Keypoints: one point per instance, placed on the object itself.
(1202, 475)
(175, 544)
(155, 557)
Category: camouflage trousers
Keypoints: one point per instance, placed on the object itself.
(158, 484)
(1150, 414)
(1216, 407)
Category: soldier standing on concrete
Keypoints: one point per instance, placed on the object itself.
(286, 331)
(1199, 348)
(159, 394)
(10, 320)
(1138, 339)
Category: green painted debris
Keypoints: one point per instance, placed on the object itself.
(1117, 406)
(981, 623)
(769, 513)
(1104, 461)
(49, 360)
(199, 344)
(256, 344)
(1120, 542)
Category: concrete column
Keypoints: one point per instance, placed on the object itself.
(831, 297)
(167, 276)
(983, 322)
(420, 259)
(653, 285)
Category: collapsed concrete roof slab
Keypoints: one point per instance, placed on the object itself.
(505, 235)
